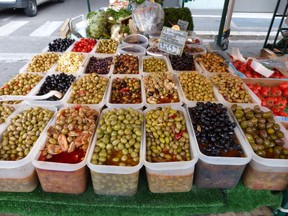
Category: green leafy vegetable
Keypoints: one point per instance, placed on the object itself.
(172, 15)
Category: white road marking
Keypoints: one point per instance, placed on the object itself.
(8, 18)
(15, 57)
(46, 29)
(10, 27)
(240, 15)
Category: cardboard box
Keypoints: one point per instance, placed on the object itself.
(266, 53)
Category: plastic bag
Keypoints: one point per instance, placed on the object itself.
(149, 17)
(280, 63)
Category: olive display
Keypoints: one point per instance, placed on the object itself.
(192, 50)
(42, 62)
(115, 184)
(262, 132)
(5, 111)
(68, 139)
(60, 44)
(182, 63)
(107, 46)
(119, 137)
(196, 87)
(89, 89)
(126, 91)
(166, 136)
(21, 84)
(232, 88)
(213, 62)
(70, 62)
(126, 64)
(59, 82)
(160, 88)
(153, 64)
(23, 132)
(99, 65)
(214, 130)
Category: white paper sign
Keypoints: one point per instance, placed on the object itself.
(259, 68)
(182, 24)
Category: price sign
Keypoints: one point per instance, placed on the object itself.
(172, 41)
(182, 24)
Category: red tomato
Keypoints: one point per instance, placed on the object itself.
(275, 91)
(264, 91)
(285, 93)
(283, 85)
(269, 102)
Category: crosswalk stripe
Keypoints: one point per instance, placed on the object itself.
(46, 29)
(15, 57)
(10, 27)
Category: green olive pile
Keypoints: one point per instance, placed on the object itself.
(70, 62)
(23, 132)
(21, 84)
(118, 138)
(153, 64)
(213, 62)
(89, 89)
(160, 88)
(196, 87)
(73, 129)
(5, 111)
(107, 46)
(42, 62)
(262, 132)
(232, 88)
(126, 91)
(126, 64)
(166, 136)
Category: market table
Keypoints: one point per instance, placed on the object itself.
(197, 201)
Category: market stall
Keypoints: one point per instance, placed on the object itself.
(141, 117)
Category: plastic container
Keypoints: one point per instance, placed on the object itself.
(114, 180)
(253, 97)
(154, 41)
(99, 105)
(136, 39)
(125, 65)
(176, 72)
(20, 175)
(179, 103)
(171, 177)
(78, 40)
(80, 68)
(104, 54)
(133, 49)
(194, 46)
(62, 177)
(3, 125)
(184, 98)
(50, 70)
(219, 172)
(151, 51)
(194, 40)
(135, 106)
(145, 73)
(265, 173)
(99, 57)
(56, 103)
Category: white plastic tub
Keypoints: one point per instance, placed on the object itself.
(114, 180)
(164, 58)
(134, 39)
(133, 49)
(99, 105)
(62, 177)
(147, 104)
(217, 171)
(171, 177)
(123, 65)
(184, 98)
(204, 50)
(102, 53)
(125, 105)
(110, 70)
(56, 103)
(20, 175)
(265, 173)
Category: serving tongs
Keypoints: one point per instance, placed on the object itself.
(33, 97)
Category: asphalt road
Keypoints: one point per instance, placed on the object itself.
(21, 37)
